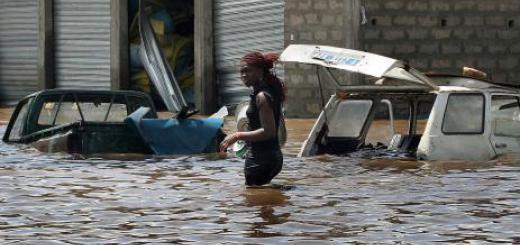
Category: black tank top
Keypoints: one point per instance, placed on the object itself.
(253, 117)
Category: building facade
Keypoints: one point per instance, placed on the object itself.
(439, 36)
(95, 45)
(88, 44)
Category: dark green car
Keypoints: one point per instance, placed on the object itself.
(79, 121)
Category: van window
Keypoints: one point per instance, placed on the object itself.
(349, 118)
(505, 110)
(464, 114)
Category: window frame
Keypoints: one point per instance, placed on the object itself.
(493, 119)
(483, 119)
(76, 100)
(365, 122)
(381, 103)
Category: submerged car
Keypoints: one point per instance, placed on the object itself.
(430, 117)
(93, 122)
(78, 121)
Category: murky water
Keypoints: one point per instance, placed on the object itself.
(63, 199)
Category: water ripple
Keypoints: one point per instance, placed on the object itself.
(121, 199)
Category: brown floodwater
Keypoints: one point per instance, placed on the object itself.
(66, 199)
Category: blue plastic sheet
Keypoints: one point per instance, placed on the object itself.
(172, 136)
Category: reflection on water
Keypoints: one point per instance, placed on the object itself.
(266, 199)
(121, 199)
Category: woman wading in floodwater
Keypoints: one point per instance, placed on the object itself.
(263, 158)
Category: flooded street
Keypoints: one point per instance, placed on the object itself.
(64, 199)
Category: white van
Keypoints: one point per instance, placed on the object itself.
(430, 117)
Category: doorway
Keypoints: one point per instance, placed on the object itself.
(173, 24)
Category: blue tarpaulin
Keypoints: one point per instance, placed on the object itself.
(172, 136)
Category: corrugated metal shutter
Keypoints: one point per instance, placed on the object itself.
(18, 49)
(243, 26)
(82, 43)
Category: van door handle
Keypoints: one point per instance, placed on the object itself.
(500, 145)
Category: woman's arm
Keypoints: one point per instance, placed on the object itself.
(265, 132)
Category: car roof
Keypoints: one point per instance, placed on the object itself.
(463, 83)
(86, 92)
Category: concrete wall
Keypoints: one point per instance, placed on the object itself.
(324, 22)
(445, 35)
(433, 35)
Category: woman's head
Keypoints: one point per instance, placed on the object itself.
(251, 75)
(255, 67)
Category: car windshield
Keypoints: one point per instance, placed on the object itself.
(57, 110)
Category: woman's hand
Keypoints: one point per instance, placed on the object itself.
(229, 140)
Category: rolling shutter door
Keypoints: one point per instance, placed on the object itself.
(82, 44)
(242, 26)
(18, 49)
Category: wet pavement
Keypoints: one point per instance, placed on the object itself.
(65, 199)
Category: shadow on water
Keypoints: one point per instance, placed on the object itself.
(121, 199)
(266, 199)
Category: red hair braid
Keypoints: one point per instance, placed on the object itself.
(266, 63)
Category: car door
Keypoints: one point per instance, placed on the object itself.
(457, 129)
(505, 123)
(337, 122)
